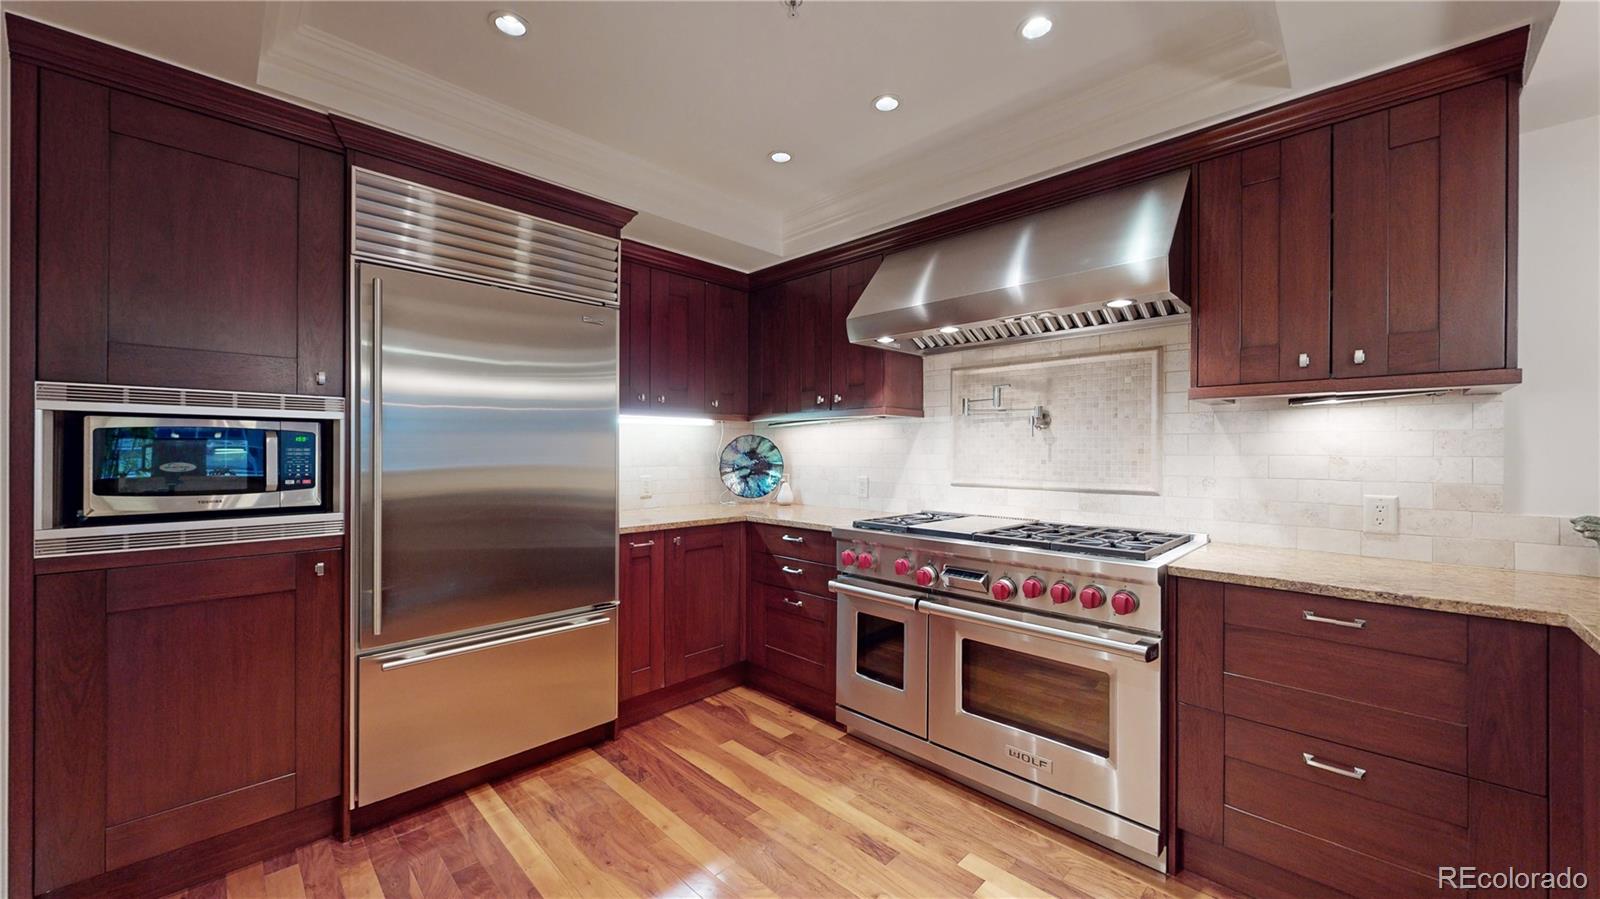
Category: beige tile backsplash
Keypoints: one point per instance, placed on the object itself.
(1257, 471)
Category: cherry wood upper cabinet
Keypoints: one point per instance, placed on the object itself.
(1410, 284)
(727, 351)
(1420, 236)
(677, 340)
(1262, 248)
(769, 390)
(633, 341)
(182, 250)
(175, 702)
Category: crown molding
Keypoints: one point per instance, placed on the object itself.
(300, 59)
(1029, 139)
(1500, 56)
(668, 260)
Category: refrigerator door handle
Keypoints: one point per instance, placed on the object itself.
(377, 456)
(411, 657)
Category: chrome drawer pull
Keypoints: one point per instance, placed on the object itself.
(642, 545)
(789, 570)
(1357, 623)
(790, 538)
(797, 603)
(1351, 772)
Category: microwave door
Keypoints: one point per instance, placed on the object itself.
(489, 443)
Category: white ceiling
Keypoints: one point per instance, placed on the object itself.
(672, 107)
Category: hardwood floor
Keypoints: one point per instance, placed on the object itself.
(736, 795)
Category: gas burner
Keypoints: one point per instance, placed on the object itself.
(1122, 543)
(899, 524)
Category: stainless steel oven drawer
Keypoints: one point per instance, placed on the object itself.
(429, 712)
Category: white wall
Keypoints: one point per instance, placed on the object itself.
(1553, 419)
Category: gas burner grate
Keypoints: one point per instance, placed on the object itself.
(899, 524)
(1124, 543)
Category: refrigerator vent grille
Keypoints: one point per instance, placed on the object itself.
(1052, 324)
(47, 393)
(53, 546)
(410, 224)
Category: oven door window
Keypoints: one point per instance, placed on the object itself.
(1043, 697)
(881, 650)
(185, 460)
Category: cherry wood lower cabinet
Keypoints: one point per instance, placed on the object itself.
(177, 702)
(682, 612)
(792, 616)
(1330, 747)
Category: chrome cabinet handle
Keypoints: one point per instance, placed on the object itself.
(322, 377)
(1144, 652)
(837, 398)
(1350, 771)
(677, 541)
(793, 602)
(791, 570)
(321, 568)
(377, 456)
(716, 403)
(643, 398)
(790, 538)
(1356, 623)
(1305, 360)
(643, 545)
(821, 399)
(1360, 357)
(662, 398)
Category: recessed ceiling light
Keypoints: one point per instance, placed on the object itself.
(886, 340)
(1120, 304)
(886, 103)
(779, 156)
(509, 23)
(1036, 27)
(949, 329)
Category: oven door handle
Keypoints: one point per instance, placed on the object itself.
(1144, 652)
(909, 602)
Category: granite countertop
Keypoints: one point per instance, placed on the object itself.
(1516, 595)
(819, 518)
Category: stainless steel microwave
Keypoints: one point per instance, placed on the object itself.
(163, 466)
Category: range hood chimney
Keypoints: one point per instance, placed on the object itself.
(1092, 265)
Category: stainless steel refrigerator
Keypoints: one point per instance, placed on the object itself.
(485, 581)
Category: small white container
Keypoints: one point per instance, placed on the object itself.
(785, 492)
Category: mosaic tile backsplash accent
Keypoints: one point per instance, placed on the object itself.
(1103, 434)
(1257, 472)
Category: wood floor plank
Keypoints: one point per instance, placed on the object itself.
(738, 795)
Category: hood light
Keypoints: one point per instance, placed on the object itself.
(509, 23)
(886, 340)
(1119, 304)
(949, 329)
(1036, 27)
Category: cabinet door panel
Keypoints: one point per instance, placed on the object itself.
(727, 350)
(856, 379)
(1361, 246)
(74, 184)
(641, 631)
(1305, 255)
(677, 341)
(1217, 310)
(322, 263)
(704, 601)
(807, 313)
(319, 675)
(1473, 226)
(769, 390)
(634, 339)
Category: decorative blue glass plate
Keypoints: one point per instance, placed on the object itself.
(751, 466)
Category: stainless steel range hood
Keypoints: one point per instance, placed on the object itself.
(1092, 265)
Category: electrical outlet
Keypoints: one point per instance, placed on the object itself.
(863, 487)
(646, 489)
(1380, 514)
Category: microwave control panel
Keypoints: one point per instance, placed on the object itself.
(297, 463)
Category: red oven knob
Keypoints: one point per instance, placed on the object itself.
(847, 558)
(926, 575)
(902, 567)
(1033, 588)
(1123, 602)
(1003, 589)
(1060, 592)
(1092, 597)
(864, 561)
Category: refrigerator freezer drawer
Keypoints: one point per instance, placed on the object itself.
(430, 712)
